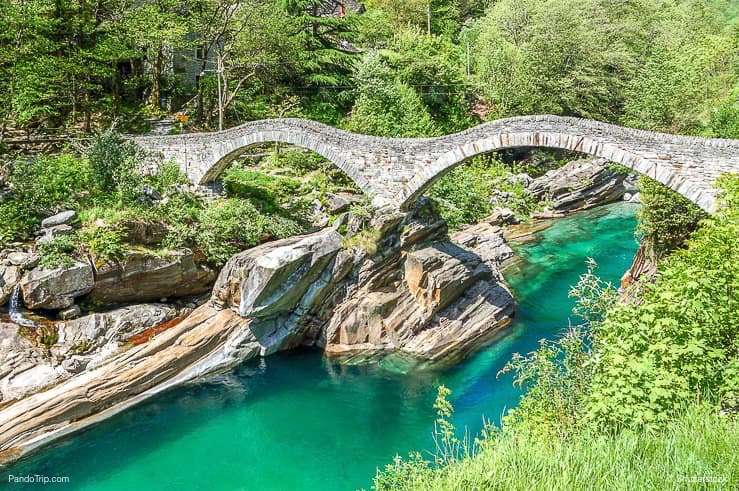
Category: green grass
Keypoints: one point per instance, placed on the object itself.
(698, 443)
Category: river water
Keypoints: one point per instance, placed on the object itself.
(294, 421)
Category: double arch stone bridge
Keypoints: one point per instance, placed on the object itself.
(397, 171)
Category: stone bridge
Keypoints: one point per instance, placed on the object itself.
(397, 171)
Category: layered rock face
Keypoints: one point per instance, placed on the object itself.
(144, 277)
(579, 185)
(27, 365)
(416, 296)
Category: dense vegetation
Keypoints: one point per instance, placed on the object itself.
(392, 70)
(638, 383)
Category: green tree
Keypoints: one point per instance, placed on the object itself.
(387, 107)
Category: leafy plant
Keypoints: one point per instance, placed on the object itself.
(56, 253)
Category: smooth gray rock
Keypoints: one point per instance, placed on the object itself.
(64, 218)
(579, 185)
(91, 332)
(56, 288)
(70, 312)
(145, 277)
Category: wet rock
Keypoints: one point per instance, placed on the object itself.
(144, 277)
(70, 312)
(10, 276)
(68, 217)
(25, 260)
(579, 185)
(56, 288)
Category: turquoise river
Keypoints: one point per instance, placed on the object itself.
(294, 421)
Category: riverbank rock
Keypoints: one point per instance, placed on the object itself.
(145, 277)
(276, 285)
(56, 288)
(10, 276)
(27, 367)
(579, 185)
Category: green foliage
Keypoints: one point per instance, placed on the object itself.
(466, 194)
(366, 240)
(40, 187)
(228, 226)
(106, 243)
(56, 253)
(267, 190)
(386, 106)
(555, 57)
(666, 218)
(697, 443)
(112, 163)
(167, 176)
(298, 160)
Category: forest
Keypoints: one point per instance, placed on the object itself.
(411, 68)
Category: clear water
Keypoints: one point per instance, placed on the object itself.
(294, 421)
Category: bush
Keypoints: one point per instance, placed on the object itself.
(666, 218)
(467, 193)
(112, 161)
(231, 225)
(105, 243)
(266, 190)
(168, 175)
(57, 252)
(41, 187)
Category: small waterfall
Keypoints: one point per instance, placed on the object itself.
(14, 309)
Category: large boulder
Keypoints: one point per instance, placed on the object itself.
(145, 277)
(278, 284)
(56, 288)
(579, 185)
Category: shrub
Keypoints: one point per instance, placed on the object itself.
(56, 253)
(41, 187)
(266, 190)
(666, 218)
(168, 175)
(106, 243)
(231, 225)
(113, 162)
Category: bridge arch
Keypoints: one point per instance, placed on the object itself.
(616, 153)
(397, 171)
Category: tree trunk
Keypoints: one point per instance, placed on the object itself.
(115, 89)
(156, 88)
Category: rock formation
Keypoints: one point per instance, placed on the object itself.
(412, 294)
(579, 185)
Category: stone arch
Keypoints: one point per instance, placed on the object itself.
(228, 150)
(613, 152)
